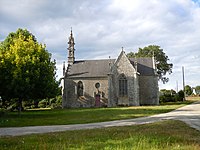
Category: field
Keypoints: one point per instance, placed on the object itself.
(78, 116)
(165, 135)
(162, 135)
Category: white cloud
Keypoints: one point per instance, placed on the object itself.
(101, 28)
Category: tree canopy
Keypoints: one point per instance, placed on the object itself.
(27, 71)
(188, 90)
(197, 89)
(163, 67)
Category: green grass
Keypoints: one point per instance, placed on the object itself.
(165, 135)
(78, 116)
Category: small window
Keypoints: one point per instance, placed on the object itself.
(97, 85)
(80, 89)
(123, 90)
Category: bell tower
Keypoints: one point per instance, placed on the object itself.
(71, 49)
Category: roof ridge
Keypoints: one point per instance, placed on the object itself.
(94, 59)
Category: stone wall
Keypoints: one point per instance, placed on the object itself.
(123, 66)
(148, 90)
(69, 96)
(71, 99)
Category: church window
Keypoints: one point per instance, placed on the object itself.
(80, 89)
(123, 90)
(97, 85)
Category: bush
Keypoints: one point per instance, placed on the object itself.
(170, 96)
(52, 103)
(56, 102)
(43, 103)
(167, 96)
(181, 95)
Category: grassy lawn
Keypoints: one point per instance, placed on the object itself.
(165, 135)
(77, 116)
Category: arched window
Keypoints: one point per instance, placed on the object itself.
(80, 89)
(123, 90)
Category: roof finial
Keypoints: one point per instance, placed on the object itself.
(71, 30)
(122, 48)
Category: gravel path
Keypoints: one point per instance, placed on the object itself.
(189, 114)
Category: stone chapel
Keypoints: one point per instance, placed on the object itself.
(109, 82)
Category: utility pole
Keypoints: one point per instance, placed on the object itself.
(176, 86)
(183, 81)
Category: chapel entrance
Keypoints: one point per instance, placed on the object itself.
(97, 100)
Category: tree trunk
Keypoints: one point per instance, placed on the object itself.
(19, 106)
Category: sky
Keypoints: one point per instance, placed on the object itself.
(102, 27)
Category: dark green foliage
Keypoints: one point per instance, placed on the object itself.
(188, 90)
(167, 96)
(181, 95)
(163, 67)
(197, 90)
(170, 96)
(27, 71)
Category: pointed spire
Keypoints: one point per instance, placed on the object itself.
(71, 33)
(122, 48)
(71, 49)
(71, 38)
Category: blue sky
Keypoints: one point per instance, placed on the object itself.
(102, 27)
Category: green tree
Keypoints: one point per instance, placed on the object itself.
(181, 95)
(163, 67)
(27, 71)
(197, 90)
(188, 90)
(167, 95)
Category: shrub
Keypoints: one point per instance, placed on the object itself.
(170, 96)
(181, 95)
(167, 96)
(56, 102)
(52, 103)
(43, 103)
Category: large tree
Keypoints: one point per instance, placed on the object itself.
(163, 67)
(27, 71)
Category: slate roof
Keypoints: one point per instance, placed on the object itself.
(101, 68)
(90, 68)
(145, 65)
